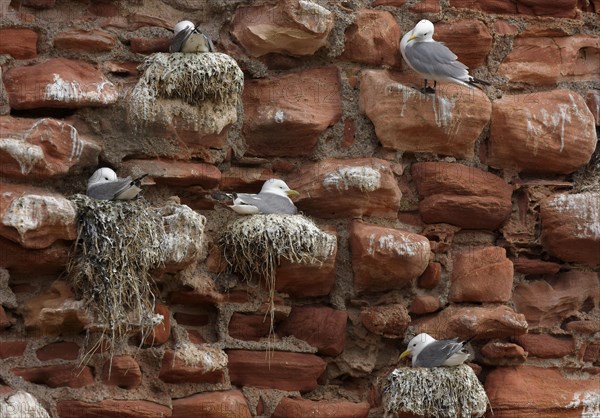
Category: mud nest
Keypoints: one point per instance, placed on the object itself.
(435, 392)
(253, 247)
(118, 244)
(192, 78)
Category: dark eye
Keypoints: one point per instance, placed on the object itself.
(415, 344)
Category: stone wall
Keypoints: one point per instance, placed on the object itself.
(468, 213)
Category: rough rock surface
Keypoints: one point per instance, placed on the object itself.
(460, 195)
(20, 43)
(547, 132)
(389, 321)
(447, 123)
(224, 404)
(386, 258)
(571, 227)
(292, 407)
(112, 408)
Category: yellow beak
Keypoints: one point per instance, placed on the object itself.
(412, 38)
(404, 354)
(291, 193)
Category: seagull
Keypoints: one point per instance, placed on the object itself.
(428, 352)
(274, 197)
(188, 38)
(105, 185)
(433, 60)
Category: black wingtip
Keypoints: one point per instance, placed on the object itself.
(474, 81)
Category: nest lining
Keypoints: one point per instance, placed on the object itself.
(253, 246)
(191, 78)
(436, 392)
(118, 244)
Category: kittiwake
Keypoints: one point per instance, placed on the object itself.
(426, 351)
(105, 185)
(433, 60)
(272, 198)
(188, 38)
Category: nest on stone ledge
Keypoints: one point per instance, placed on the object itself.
(254, 245)
(191, 78)
(118, 244)
(436, 392)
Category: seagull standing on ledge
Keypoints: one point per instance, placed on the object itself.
(274, 197)
(188, 38)
(426, 351)
(105, 185)
(433, 60)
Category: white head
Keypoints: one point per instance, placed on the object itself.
(102, 175)
(423, 31)
(183, 25)
(278, 187)
(417, 344)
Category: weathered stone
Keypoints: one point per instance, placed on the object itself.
(389, 321)
(20, 260)
(424, 304)
(447, 123)
(571, 227)
(592, 100)
(39, 4)
(279, 370)
(461, 195)
(500, 353)
(592, 353)
(546, 346)
(295, 27)
(183, 243)
(112, 408)
(298, 407)
(193, 365)
(453, 34)
(306, 280)
(481, 275)
(161, 332)
(560, 8)
(35, 218)
(589, 326)
(425, 6)
(5, 321)
(177, 173)
(373, 38)
(149, 45)
(55, 312)
(95, 40)
(248, 327)
(479, 322)
(546, 303)
(21, 404)
(386, 258)
(431, 276)
(490, 6)
(547, 132)
(226, 404)
(47, 147)
(64, 350)
(20, 43)
(531, 392)
(58, 83)
(284, 115)
(60, 375)
(11, 348)
(122, 371)
(338, 188)
(533, 266)
(320, 326)
(550, 60)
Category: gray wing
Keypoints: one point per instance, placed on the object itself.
(179, 39)
(434, 58)
(436, 353)
(268, 203)
(108, 191)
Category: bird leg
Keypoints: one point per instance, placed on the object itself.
(428, 90)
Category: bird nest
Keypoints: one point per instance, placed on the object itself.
(436, 392)
(192, 78)
(253, 247)
(118, 244)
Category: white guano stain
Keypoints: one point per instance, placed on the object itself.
(590, 401)
(72, 91)
(399, 244)
(584, 208)
(313, 16)
(30, 212)
(364, 178)
(279, 116)
(25, 154)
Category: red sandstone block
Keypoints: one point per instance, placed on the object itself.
(226, 404)
(20, 43)
(60, 350)
(60, 375)
(111, 408)
(122, 371)
(12, 349)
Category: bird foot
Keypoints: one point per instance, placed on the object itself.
(427, 90)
